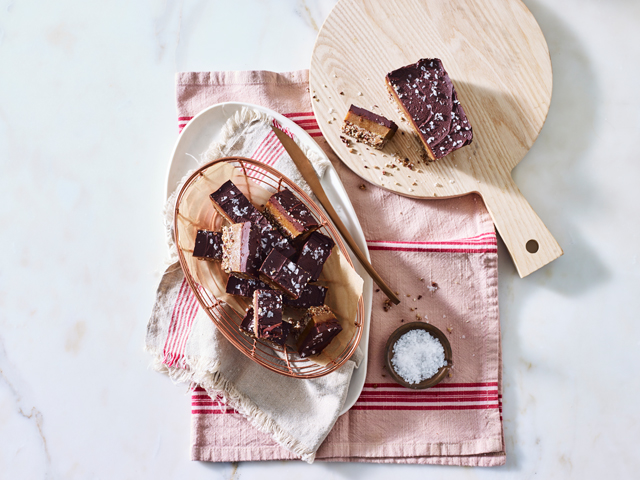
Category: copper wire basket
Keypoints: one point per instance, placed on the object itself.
(228, 313)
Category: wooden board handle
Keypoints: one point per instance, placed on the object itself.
(528, 240)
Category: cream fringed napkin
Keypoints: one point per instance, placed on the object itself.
(297, 414)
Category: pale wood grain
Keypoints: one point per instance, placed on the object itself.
(497, 57)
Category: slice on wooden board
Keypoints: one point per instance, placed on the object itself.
(428, 98)
(497, 57)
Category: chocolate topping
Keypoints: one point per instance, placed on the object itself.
(428, 96)
(290, 214)
(279, 271)
(315, 253)
(311, 296)
(268, 323)
(322, 327)
(208, 245)
(374, 117)
(247, 324)
(272, 238)
(244, 287)
(368, 127)
(233, 205)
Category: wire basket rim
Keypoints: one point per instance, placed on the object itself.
(295, 367)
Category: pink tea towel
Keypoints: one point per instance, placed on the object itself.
(441, 256)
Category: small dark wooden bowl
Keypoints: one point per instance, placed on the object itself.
(435, 332)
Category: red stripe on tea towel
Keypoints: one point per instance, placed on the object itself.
(203, 404)
(485, 243)
(307, 121)
(390, 396)
(298, 114)
(423, 407)
(267, 152)
(182, 122)
(458, 396)
(184, 311)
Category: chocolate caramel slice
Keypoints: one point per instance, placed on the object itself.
(208, 245)
(240, 249)
(290, 215)
(322, 326)
(311, 296)
(368, 127)
(267, 317)
(247, 324)
(281, 273)
(244, 287)
(315, 253)
(232, 204)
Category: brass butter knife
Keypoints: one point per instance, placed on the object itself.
(309, 174)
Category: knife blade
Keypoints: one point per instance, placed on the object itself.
(309, 174)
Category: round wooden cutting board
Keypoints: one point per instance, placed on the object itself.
(498, 60)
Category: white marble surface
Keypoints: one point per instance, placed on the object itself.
(87, 123)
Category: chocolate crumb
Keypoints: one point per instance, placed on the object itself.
(377, 290)
(363, 187)
(419, 297)
(407, 163)
(345, 140)
(387, 305)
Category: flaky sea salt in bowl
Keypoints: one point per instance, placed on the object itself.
(418, 355)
